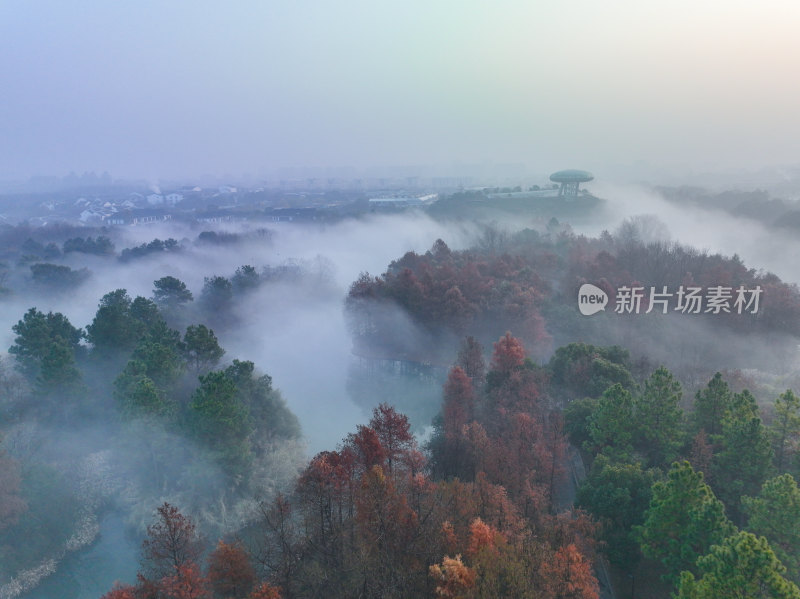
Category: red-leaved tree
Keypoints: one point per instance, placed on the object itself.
(171, 543)
(230, 572)
(393, 431)
(509, 354)
(186, 583)
(568, 575)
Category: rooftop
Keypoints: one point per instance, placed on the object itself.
(571, 176)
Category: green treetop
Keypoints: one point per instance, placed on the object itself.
(683, 521)
(743, 566)
(659, 418)
(775, 513)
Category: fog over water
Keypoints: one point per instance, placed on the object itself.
(293, 330)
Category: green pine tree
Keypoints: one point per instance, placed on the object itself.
(659, 418)
(775, 514)
(743, 566)
(785, 429)
(610, 425)
(745, 460)
(710, 406)
(683, 521)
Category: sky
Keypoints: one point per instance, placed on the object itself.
(183, 88)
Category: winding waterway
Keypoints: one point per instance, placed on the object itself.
(89, 573)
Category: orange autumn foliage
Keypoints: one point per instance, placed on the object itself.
(481, 535)
(568, 575)
(229, 570)
(186, 583)
(453, 577)
(508, 354)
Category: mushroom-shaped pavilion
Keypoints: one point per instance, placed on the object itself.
(570, 180)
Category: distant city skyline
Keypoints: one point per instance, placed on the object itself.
(177, 90)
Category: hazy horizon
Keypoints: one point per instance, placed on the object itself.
(178, 90)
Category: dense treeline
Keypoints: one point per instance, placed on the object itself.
(46, 256)
(705, 499)
(690, 497)
(485, 508)
(379, 517)
(127, 411)
(156, 246)
(528, 282)
(446, 295)
(673, 491)
(671, 487)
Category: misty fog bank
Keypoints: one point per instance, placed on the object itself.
(760, 247)
(292, 329)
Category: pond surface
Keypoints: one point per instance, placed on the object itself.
(90, 573)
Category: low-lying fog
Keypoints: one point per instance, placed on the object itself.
(295, 330)
(713, 230)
